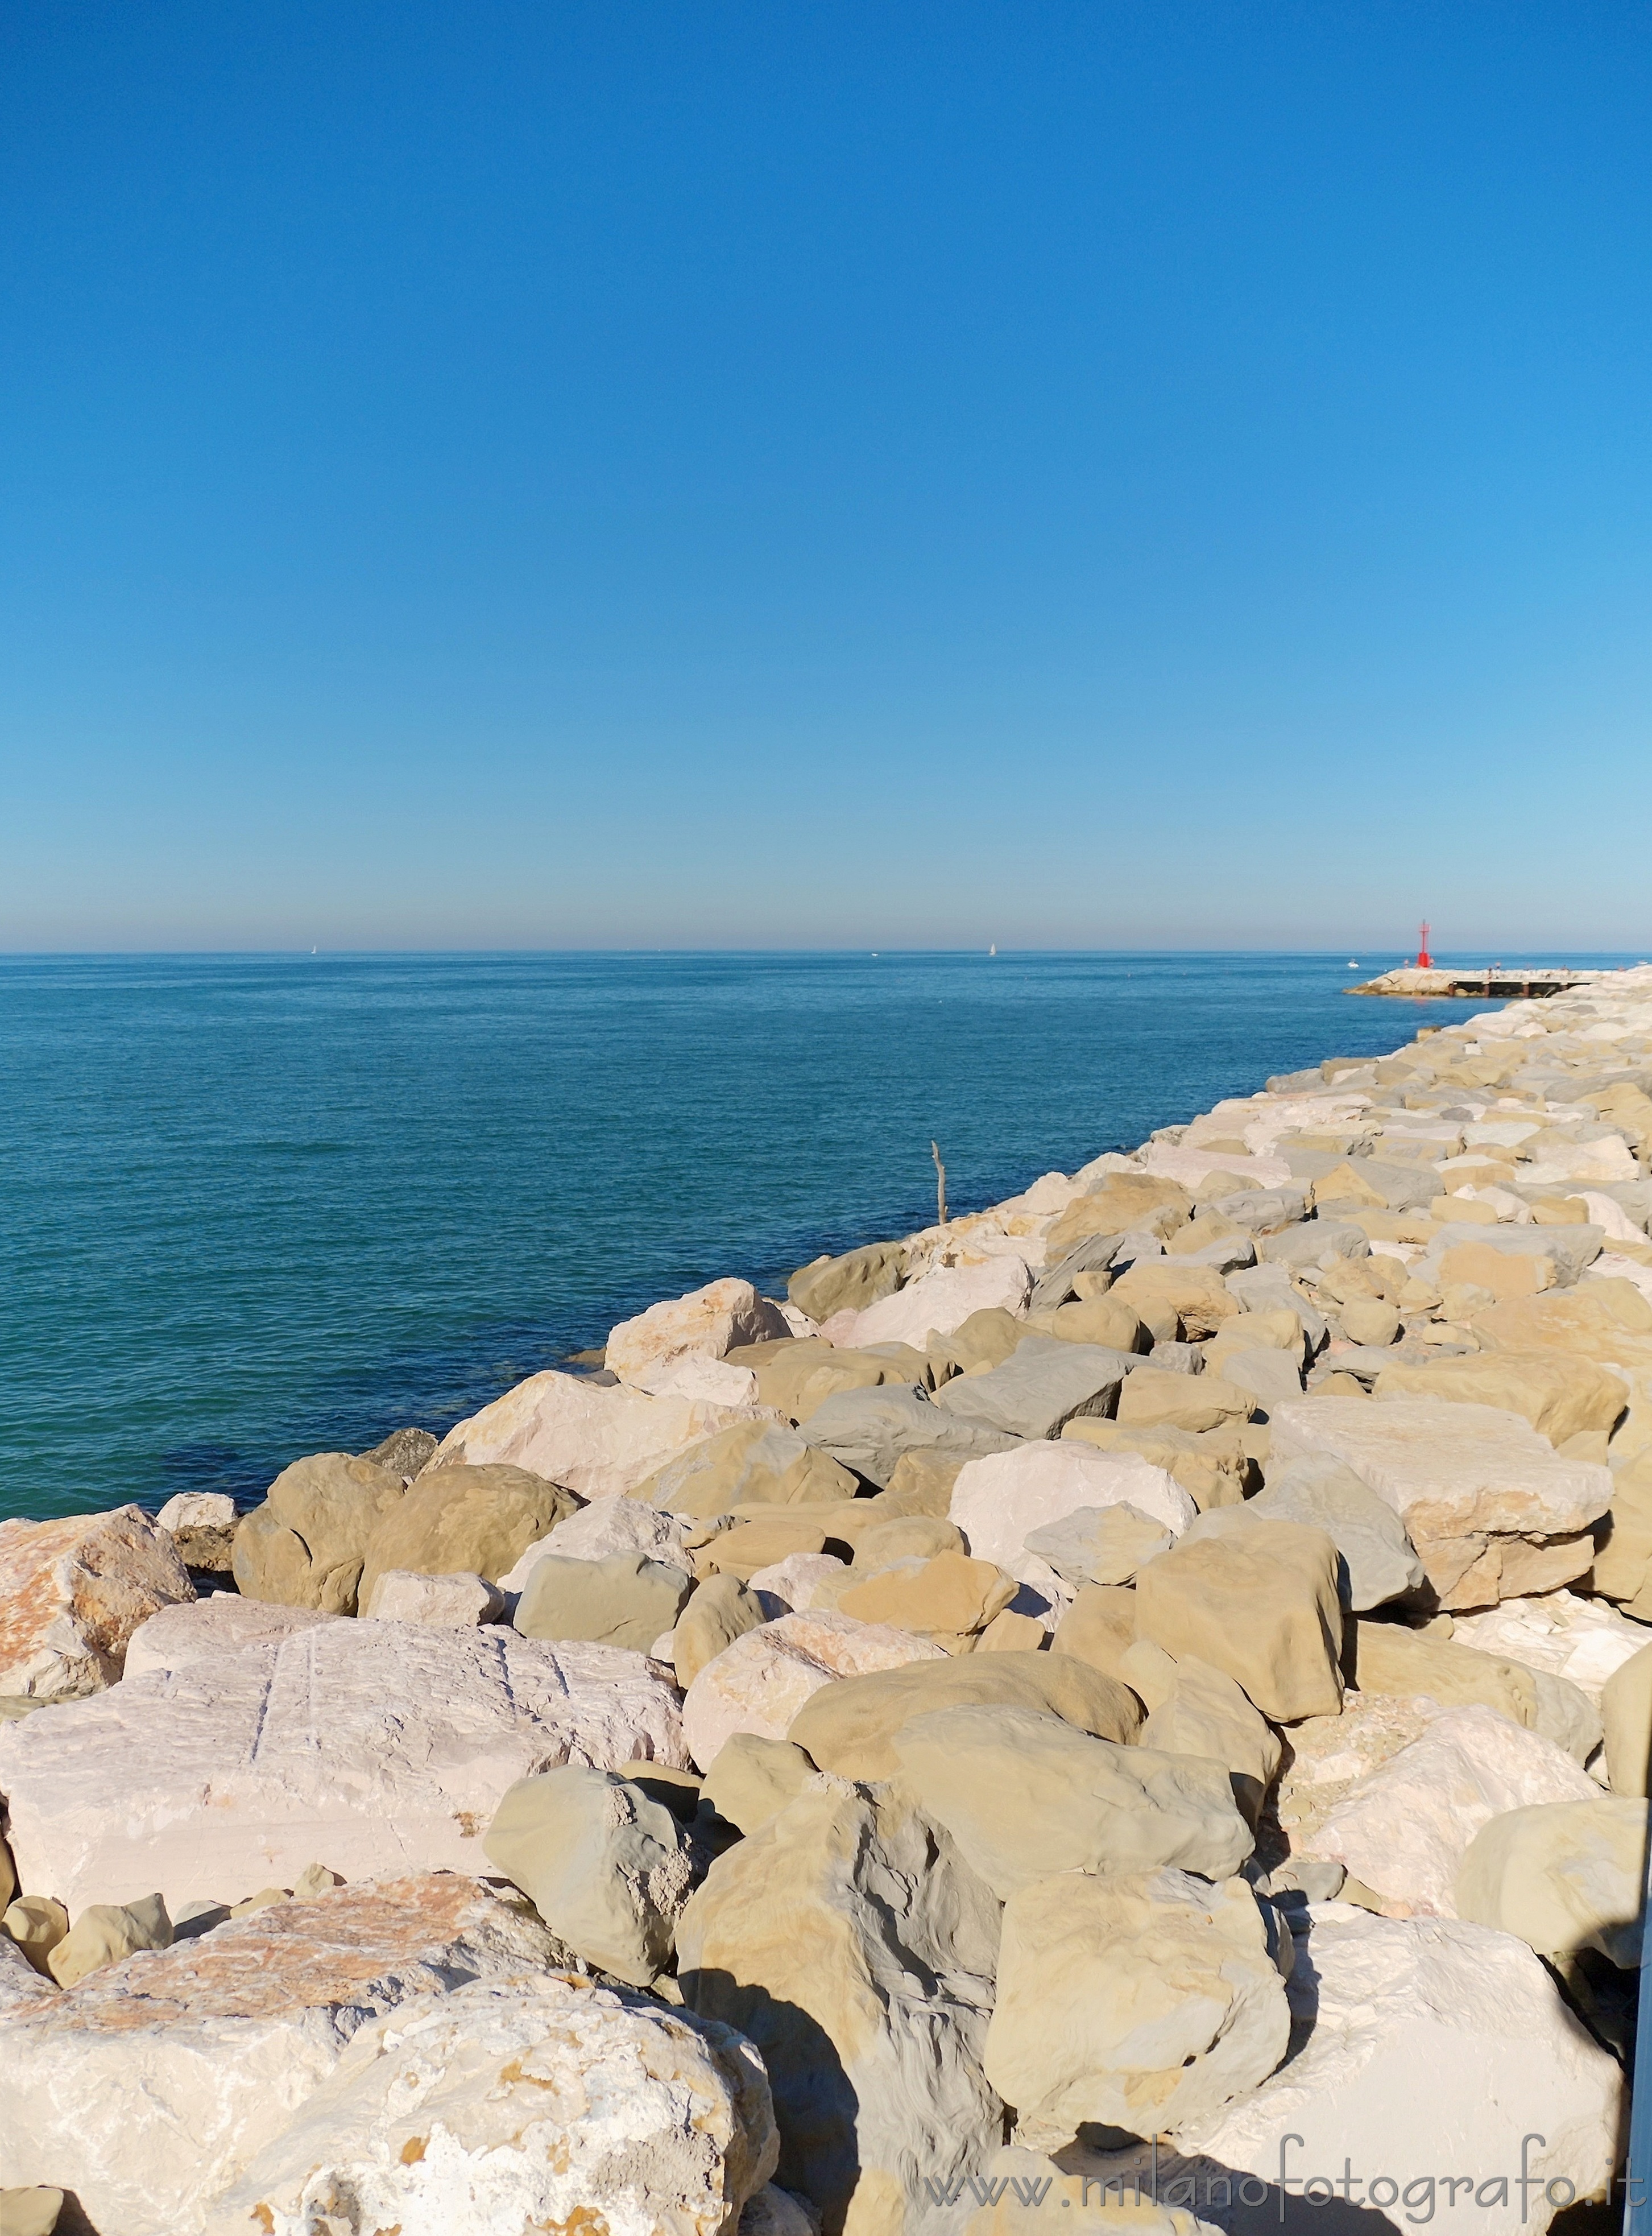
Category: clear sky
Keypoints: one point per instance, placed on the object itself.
(519, 474)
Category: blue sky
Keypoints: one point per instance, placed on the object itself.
(719, 474)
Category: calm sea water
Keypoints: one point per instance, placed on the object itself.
(251, 1207)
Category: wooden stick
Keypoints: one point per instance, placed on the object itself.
(940, 1185)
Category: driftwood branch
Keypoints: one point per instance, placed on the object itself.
(940, 1185)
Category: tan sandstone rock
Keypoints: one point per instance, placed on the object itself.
(760, 1682)
(107, 1932)
(751, 1463)
(721, 1610)
(1565, 1876)
(1204, 1712)
(456, 1602)
(1261, 1605)
(753, 1779)
(949, 1595)
(625, 1601)
(477, 1521)
(592, 1438)
(72, 1592)
(1558, 1394)
(1150, 1398)
(305, 1544)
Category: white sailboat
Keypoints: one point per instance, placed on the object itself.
(993, 949)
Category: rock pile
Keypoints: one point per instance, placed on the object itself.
(1142, 1679)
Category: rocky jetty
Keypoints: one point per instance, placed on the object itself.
(1130, 1708)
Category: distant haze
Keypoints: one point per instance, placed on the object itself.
(1067, 475)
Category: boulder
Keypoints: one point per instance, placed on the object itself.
(1403, 1830)
(1386, 1658)
(1260, 1604)
(752, 1462)
(1043, 1383)
(305, 1544)
(707, 1324)
(1492, 1509)
(984, 1340)
(404, 1452)
(1582, 1641)
(788, 1586)
(1100, 1545)
(760, 1682)
(1213, 1466)
(754, 1778)
(72, 1592)
(1153, 1398)
(617, 1524)
(1109, 1322)
(592, 1437)
(1024, 1794)
(750, 1546)
(1565, 1876)
(1203, 1712)
(920, 1483)
(105, 1934)
(201, 1524)
(1420, 2032)
(1370, 1320)
(1379, 1562)
(1316, 1243)
(1622, 1567)
(950, 1596)
(34, 1926)
(1626, 1714)
(203, 1630)
(906, 1537)
(151, 2084)
(1143, 2002)
(606, 1868)
(457, 1602)
(848, 1941)
(376, 1744)
(868, 1431)
(1100, 1628)
(721, 1610)
(794, 1377)
(461, 1520)
(1559, 1395)
(1269, 1377)
(625, 1601)
(998, 1501)
(850, 1728)
(1121, 1203)
(850, 1282)
(1173, 1298)
(935, 1304)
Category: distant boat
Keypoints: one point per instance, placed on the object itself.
(992, 951)
(1354, 966)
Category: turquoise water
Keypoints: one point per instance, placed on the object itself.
(251, 1207)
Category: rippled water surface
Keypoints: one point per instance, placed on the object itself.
(256, 1206)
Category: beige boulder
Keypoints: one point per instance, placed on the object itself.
(35, 1925)
(1025, 1794)
(612, 1525)
(1583, 1641)
(1565, 1876)
(201, 1524)
(606, 1868)
(1124, 1203)
(949, 1595)
(1110, 1321)
(1144, 2003)
(1370, 1320)
(721, 1610)
(1152, 1398)
(935, 1304)
(751, 1463)
(1100, 1545)
(305, 1545)
(707, 1324)
(1204, 1712)
(999, 1501)
(760, 1682)
(1261, 1605)
(592, 1436)
(848, 1941)
(795, 1378)
(986, 1339)
(754, 1778)
(72, 1592)
(106, 1933)
(1212, 1466)
(850, 1728)
(750, 1546)
(476, 1521)
(457, 1602)
(906, 1537)
(1560, 1395)
(1622, 1567)
(921, 1483)
(1173, 1300)
(626, 1600)
(1389, 1659)
(1626, 1714)
(859, 1277)
(1100, 1628)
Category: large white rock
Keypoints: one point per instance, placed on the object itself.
(998, 1500)
(1583, 1641)
(369, 1746)
(453, 1602)
(205, 1630)
(201, 1524)
(1492, 1508)
(759, 1682)
(595, 1437)
(612, 1525)
(1433, 2049)
(1192, 1165)
(72, 1592)
(707, 1324)
(530, 2104)
(1403, 1830)
(154, 2083)
(935, 1304)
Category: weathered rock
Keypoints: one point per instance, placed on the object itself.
(151, 2084)
(72, 1592)
(203, 1630)
(626, 1600)
(1043, 1383)
(537, 2103)
(1582, 1640)
(1152, 1399)
(1403, 1830)
(606, 1868)
(984, 1340)
(1565, 1876)
(721, 1610)
(1379, 1562)
(788, 1587)
(850, 1728)
(868, 1431)
(31, 2212)
(850, 1282)
(1386, 1658)
(1100, 1628)
(1260, 1604)
(376, 1744)
(106, 1933)
(753, 1779)
(1626, 1714)
(1100, 1545)
(950, 1596)
(708, 1324)
(1370, 1320)
(1314, 1244)
(1213, 1467)
(1109, 1322)
(404, 1452)
(594, 1437)
(906, 1537)
(1493, 1511)
(1559, 1395)
(1024, 1794)
(1142, 2003)
(920, 1483)
(35, 1924)
(1204, 1712)
(305, 1544)
(1267, 1377)
(457, 1602)
(796, 1377)
(1000, 1501)
(847, 1940)
(750, 1546)
(1424, 2029)
(760, 1682)
(752, 1462)
(935, 1304)
(1173, 1298)
(201, 1524)
(1123, 1202)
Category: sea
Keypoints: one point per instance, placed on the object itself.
(255, 1206)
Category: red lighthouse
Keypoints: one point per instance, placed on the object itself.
(1425, 960)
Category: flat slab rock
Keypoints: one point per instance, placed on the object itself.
(369, 1746)
(204, 1630)
(758, 1683)
(151, 2085)
(594, 1438)
(73, 1591)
